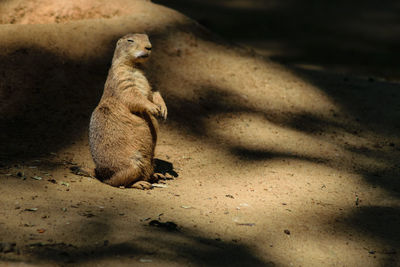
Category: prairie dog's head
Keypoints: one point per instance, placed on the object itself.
(134, 48)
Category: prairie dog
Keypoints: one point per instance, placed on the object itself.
(123, 128)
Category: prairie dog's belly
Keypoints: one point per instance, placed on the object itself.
(119, 138)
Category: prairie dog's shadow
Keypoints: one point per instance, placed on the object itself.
(164, 167)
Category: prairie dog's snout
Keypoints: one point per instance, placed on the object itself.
(145, 53)
(142, 54)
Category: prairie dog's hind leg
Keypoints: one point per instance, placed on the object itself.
(125, 177)
(158, 176)
(143, 185)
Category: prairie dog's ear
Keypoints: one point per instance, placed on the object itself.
(119, 42)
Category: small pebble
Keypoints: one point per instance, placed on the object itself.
(31, 209)
(159, 185)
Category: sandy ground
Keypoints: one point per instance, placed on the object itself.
(277, 165)
(358, 37)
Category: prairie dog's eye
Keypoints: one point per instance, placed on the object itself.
(130, 40)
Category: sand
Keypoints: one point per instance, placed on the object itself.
(277, 165)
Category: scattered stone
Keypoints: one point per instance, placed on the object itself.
(186, 207)
(31, 209)
(37, 178)
(65, 184)
(286, 231)
(246, 224)
(159, 185)
(230, 196)
(87, 214)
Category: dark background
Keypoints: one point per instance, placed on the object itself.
(358, 37)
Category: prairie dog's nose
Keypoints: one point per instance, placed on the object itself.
(148, 48)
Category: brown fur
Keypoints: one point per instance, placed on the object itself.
(123, 128)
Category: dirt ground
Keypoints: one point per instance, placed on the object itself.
(278, 164)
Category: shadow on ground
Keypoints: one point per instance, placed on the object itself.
(158, 246)
(352, 36)
(380, 223)
(153, 242)
(46, 101)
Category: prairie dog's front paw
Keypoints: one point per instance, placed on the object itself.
(153, 109)
(163, 111)
(159, 101)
